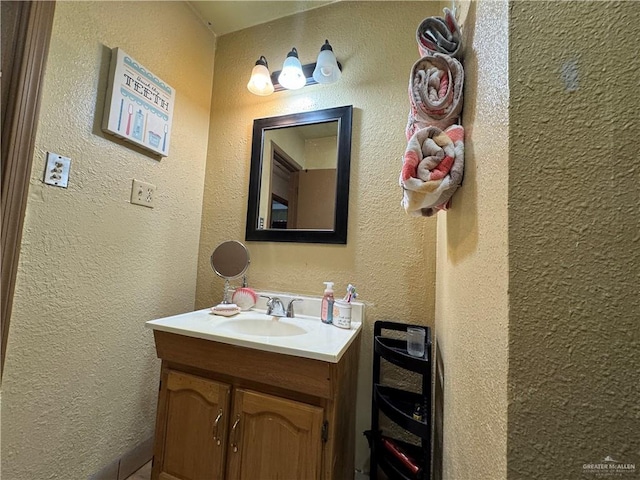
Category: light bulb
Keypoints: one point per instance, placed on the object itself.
(291, 76)
(260, 81)
(327, 69)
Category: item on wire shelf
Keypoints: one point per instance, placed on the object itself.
(435, 93)
(394, 449)
(417, 412)
(432, 169)
(441, 35)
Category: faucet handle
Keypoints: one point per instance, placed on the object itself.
(290, 312)
(269, 302)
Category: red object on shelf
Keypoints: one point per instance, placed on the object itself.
(397, 452)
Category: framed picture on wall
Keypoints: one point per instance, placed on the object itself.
(139, 105)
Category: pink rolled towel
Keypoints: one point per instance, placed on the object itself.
(435, 93)
(442, 35)
(432, 169)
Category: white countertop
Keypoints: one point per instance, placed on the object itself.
(320, 341)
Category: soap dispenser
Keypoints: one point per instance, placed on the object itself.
(326, 308)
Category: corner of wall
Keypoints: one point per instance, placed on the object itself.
(472, 267)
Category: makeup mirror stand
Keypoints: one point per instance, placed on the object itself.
(230, 260)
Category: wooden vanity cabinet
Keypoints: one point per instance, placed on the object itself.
(228, 412)
(290, 431)
(194, 427)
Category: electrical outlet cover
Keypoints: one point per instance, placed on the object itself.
(143, 193)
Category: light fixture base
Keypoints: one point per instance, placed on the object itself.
(307, 71)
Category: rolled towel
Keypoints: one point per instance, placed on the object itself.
(435, 93)
(432, 169)
(441, 35)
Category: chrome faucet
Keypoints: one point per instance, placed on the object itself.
(275, 307)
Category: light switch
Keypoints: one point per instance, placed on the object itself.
(56, 172)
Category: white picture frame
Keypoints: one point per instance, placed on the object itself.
(139, 105)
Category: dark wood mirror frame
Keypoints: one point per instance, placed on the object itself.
(343, 115)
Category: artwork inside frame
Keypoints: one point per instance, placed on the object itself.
(139, 105)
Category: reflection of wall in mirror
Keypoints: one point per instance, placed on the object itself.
(317, 199)
(317, 185)
(321, 152)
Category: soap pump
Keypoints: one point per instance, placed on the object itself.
(326, 308)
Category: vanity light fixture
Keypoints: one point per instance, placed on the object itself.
(260, 81)
(327, 69)
(293, 75)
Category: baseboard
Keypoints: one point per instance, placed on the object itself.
(108, 472)
(135, 458)
(121, 468)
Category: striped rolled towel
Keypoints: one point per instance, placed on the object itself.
(432, 169)
(435, 93)
(441, 35)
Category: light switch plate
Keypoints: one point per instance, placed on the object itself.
(56, 172)
(143, 193)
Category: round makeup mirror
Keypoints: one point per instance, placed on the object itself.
(229, 260)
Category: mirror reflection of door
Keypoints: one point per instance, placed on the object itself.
(301, 172)
(279, 212)
(284, 189)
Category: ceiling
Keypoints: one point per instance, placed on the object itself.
(224, 17)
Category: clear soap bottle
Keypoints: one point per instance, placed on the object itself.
(326, 308)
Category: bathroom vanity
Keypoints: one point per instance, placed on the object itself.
(252, 396)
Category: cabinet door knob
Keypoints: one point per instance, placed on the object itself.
(216, 437)
(234, 442)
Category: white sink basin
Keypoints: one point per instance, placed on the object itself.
(303, 336)
(262, 327)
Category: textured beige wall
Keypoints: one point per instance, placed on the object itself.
(389, 256)
(574, 366)
(81, 379)
(472, 266)
(321, 152)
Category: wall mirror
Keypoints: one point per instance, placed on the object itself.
(299, 180)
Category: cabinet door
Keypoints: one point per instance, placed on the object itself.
(274, 438)
(194, 441)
